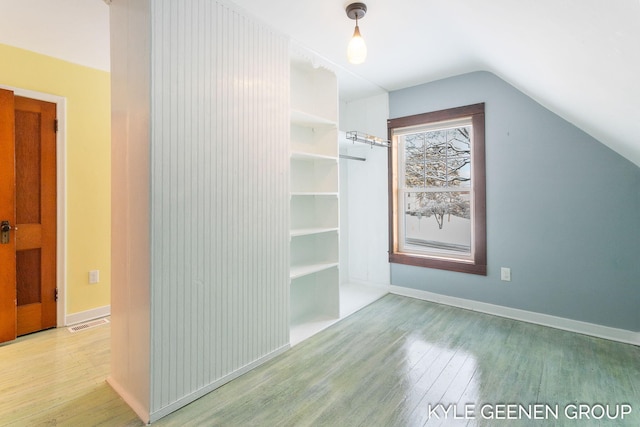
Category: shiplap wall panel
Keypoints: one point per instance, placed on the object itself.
(219, 196)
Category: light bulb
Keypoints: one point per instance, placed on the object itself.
(357, 49)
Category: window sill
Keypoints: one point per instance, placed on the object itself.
(439, 263)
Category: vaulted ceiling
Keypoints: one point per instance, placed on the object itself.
(578, 58)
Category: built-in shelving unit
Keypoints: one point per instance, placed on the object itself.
(315, 214)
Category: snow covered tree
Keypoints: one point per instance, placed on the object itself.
(437, 169)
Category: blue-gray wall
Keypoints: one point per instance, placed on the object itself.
(563, 210)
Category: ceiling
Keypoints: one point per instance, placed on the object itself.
(74, 30)
(578, 58)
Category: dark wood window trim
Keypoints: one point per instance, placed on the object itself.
(478, 265)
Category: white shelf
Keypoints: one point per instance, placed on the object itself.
(314, 202)
(310, 120)
(311, 193)
(305, 270)
(354, 296)
(310, 231)
(314, 176)
(298, 155)
(314, 90)
(314, 212)
(319, 140)
(309, 327)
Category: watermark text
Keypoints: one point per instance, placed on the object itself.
(531, 411)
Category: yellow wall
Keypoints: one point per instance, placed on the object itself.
(88, 164)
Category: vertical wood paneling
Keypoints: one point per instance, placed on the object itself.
(219, 205)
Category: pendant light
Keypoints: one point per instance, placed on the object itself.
(357, 49)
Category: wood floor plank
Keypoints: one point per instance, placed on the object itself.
(383, 366)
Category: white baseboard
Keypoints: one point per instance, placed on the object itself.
(133, 403)
(585, 328)
(367, 283)
(84, 316)
(155, 416)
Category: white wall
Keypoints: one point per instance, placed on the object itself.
(363, 195)
(210, 168)
(130, 290)
(220, 197)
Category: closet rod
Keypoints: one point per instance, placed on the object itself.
(344, 156)
(356, 136)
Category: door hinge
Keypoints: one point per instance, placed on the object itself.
(55, 295)
(55, 125)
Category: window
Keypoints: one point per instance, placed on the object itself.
(437, 182)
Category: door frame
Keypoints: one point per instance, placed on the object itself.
(61, 197)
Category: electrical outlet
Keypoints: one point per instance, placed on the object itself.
(94, 276)
(505, 274)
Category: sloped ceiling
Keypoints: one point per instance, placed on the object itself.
(579, 58)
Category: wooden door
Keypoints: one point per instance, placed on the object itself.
(7, 213)
(35, 154)
(34, 224)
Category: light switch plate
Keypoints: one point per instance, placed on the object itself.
(94, 276)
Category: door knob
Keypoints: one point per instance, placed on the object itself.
(5, 227)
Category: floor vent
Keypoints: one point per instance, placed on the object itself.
(87, 325)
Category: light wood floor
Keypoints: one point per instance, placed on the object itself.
(383, 366)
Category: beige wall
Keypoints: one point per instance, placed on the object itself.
(88, 136)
